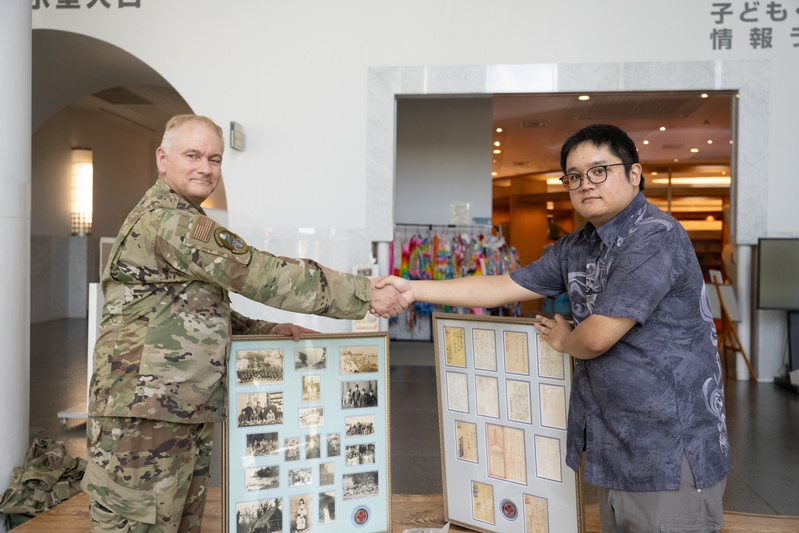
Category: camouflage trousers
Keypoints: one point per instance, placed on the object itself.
(146, 475)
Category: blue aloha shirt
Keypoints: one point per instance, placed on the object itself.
(657, 393)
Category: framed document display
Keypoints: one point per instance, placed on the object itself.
(503, 395)
(306, 442)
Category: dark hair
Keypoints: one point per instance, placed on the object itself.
(604, 136)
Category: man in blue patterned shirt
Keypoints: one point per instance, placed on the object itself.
(647, 402)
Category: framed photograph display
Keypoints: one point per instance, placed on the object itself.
(307, 440)
(503, 398)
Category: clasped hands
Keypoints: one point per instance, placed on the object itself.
(390, 296)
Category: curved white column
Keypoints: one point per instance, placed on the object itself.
(15, 209)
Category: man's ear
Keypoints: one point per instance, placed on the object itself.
(636, 171)
(160, 154)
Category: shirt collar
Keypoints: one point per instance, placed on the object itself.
(165, 191)
(610, 231)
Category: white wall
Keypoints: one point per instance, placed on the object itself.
(124, 167)
(443, 156)
(296, 76)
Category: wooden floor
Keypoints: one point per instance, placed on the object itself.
(407, 511)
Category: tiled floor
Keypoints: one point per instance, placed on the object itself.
(763, 421)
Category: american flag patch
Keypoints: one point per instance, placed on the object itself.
(202, 229)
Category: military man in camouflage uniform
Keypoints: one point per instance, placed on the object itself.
(161, 358)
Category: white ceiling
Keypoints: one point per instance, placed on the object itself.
(535, 126)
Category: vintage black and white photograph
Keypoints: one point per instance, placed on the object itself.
(260, 408)
(292, 449)
(259, 367)
(360, 454)
(310, 358)
(334, 445)
(356, 394)
(313, 446)
(360, 485)
(311, 389)
(295, 455)
(327, 473)
(327, 507)
(300, 520)
(312, 417)
(300, 477)
(358, 359)
(359, 426)
(262, 516)
(262, 478)
(259, 444)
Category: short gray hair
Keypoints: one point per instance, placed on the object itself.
(177, 121)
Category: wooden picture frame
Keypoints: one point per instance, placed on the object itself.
(307, 444)
(503, 399)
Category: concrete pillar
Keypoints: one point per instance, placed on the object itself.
(15, 218)
(743, 258)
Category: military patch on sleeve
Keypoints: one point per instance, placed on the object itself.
(202, 229)
(227, 239)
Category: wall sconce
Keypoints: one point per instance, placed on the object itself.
(82, 190)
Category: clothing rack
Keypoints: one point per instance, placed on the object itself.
(448, 251)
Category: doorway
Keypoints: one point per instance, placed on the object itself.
(685, 142)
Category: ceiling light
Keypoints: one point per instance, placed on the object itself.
(646, 142)
(663, 128)
(676, 160)
(704, 95)
(694, 150)
(702, 181)
(710, 141)
(655, 173)
(499, 130)
(496, 143)
(497, 151)
(583, 97)
(495, 173)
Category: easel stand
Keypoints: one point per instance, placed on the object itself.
(728, 338)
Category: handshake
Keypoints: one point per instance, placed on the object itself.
(390, 296)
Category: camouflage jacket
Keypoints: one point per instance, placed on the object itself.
(165, 333)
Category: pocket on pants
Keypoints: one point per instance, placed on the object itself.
(116, 500)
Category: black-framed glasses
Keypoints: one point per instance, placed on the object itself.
(596, 175)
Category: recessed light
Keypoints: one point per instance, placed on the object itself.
(496, 143)
(646, 142)
(495, 173)
(704, 95)
(694, 150)
(499, 130)
(497, 151)
(710, 141)
(663, 128)
(676, 160)
(583, 97)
